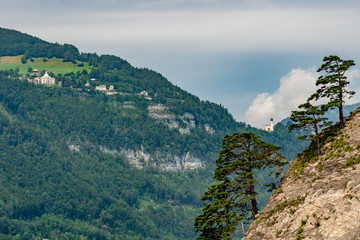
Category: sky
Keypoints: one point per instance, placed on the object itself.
(258, 58)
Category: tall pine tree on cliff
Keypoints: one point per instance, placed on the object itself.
(333, 83)
(234, 196)
(309, 118)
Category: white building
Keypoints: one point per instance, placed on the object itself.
(46, 79)
(144, 93)
(110, 91)
(270, 127)
(101, 88)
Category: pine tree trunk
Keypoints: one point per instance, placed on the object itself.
(318, 146)
(254, 208)
(317, 138)
(228, 227)
(341, 115)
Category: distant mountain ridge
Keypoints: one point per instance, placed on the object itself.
(79, 164)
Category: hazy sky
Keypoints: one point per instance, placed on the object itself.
(258, 58)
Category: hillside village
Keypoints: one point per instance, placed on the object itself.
(184, 123)
(47, 80)
(109, 90)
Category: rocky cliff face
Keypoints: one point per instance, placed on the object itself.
(319, 197)
(140, 158)
(184, 123)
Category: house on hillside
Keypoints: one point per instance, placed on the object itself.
(145, 94)
(101, 88)
(35, 72)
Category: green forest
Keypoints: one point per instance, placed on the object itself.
(49, 189)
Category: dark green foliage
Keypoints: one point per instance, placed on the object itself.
(23, 59)
(220, 217)
(310, 119)
(334, 83)
(50, 191)
(235, 196)
(14, 43)
(41, 178)
(241, 154)
(88, 194)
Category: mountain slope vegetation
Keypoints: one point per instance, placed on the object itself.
(77, 163)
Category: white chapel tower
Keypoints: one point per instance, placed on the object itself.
(270, 127)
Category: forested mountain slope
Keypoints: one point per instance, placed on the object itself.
(77, 163)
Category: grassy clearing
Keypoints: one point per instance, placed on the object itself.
(54, 65)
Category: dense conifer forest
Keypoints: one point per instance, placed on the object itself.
(62, 171)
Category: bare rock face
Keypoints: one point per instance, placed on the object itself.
(319, 197)
(165, 161)
(184, 123)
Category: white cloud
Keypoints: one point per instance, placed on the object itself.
(354, 79)
(294, 89)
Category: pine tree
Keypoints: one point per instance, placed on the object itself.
(234, 196)
(310, 119)
(334, 83)
(220, 217)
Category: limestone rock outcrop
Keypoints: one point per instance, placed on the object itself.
(319, 197)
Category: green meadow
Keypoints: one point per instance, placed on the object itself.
(54, 65)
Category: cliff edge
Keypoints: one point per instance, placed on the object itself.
(319, 197)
